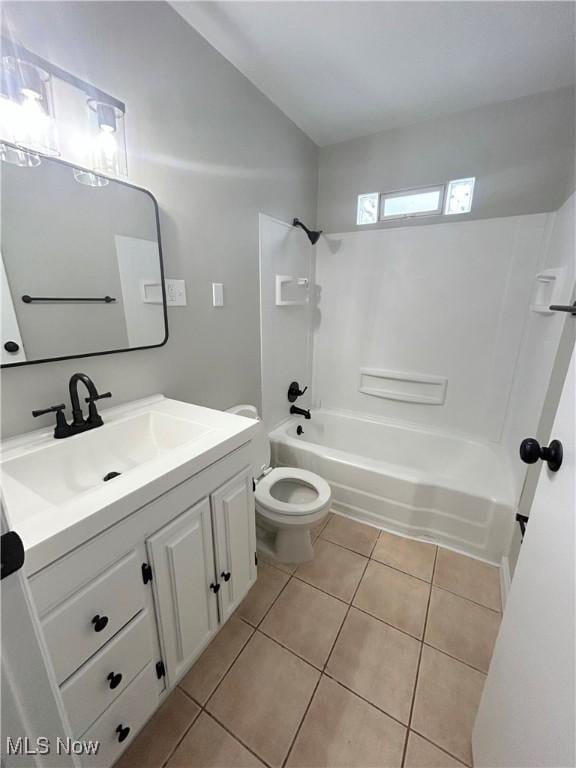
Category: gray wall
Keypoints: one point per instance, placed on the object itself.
(521, 153)
(214, 151)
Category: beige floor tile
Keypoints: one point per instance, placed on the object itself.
(461, 628)
(208, 745)
(286, 567)
(394, 597)
(421, 754)
(376, 661)
(306, 621)
(413, 557)
(267, 588)
(351, 534)
(153, 745)
(212, 665)
(333, 569)
(341, 730)
(447, 697)
(468, 577)
(264, 696)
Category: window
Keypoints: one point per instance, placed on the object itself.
(459, 197)
(424, 201)
(420, 201)
(367, 212)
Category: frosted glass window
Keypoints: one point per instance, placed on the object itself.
(367, 212)
(412, 202)
(459, 197)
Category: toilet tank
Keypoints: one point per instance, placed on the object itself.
(260, 442)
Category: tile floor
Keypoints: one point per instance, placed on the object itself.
(373, 654)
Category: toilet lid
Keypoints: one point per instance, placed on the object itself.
(265, 491)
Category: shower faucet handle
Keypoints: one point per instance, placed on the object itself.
(294, 392)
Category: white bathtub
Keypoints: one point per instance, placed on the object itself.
(454, 491)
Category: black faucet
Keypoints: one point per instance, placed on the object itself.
(295, 411)
(79, 424)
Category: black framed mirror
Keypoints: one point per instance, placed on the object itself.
(81, 262)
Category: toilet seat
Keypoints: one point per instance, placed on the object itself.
(268, 502)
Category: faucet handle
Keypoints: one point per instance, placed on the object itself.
(52, 409)
(98, 397)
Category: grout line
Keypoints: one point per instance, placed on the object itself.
(173, 750)
(363, 698)
(189, 695)
(290, 650)
(409, 725)
(237, 738)
(468, 599)
(301, 723)
(442, 749)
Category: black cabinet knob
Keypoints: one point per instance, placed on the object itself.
(122, 731)
(11, 346)
(531, 452)
(99, 622)
(226, 575)
(115, 678)
(215, 588)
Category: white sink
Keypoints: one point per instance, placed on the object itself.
(76, 465)
(55, 493)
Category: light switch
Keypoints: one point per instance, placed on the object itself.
(217, 294)
(175, 293)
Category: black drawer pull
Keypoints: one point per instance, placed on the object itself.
(99, 622)
(115, 679)
(215, 588)
(11, 346)
(226, 575)
(122, 731)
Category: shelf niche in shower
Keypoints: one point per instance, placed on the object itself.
(406, 387)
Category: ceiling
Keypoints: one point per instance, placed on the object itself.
(345, 69)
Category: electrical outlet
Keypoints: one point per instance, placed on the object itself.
(175, 293)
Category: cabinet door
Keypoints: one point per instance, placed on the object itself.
(235, 539)
(183, 563)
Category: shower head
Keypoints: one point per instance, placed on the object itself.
(313, 235)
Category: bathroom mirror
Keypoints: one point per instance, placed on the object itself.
(81, 263)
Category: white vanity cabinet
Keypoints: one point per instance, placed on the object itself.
(127, 613)
(203, 564)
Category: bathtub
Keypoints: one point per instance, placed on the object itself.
(454, 491)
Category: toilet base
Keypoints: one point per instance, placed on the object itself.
(286, 545)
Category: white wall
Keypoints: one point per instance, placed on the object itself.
(448, 300)
(286, 331)
(215, 152)
(521, 152)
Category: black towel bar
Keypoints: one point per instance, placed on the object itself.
(29, 299)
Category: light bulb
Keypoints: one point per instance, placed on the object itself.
(106, 152)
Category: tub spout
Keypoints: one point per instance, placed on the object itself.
(295, 411)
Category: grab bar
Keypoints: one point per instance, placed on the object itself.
(29, 299)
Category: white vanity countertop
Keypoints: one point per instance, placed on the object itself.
(54, 493)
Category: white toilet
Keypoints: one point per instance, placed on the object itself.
(289, 501)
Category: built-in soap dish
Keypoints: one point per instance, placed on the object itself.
(547, 290)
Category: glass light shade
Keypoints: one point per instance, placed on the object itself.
(19, 157)
(26, 107)
(89, 179)
(108, 140)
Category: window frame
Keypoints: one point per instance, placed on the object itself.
(438, 211)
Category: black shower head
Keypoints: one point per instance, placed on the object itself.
(313, 235)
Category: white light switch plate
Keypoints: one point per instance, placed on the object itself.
(175, 293)
(217, 294)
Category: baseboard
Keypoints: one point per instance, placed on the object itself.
(505, 580)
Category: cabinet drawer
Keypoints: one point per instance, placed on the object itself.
(102, 679)
(81, 625)
(130, 711)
